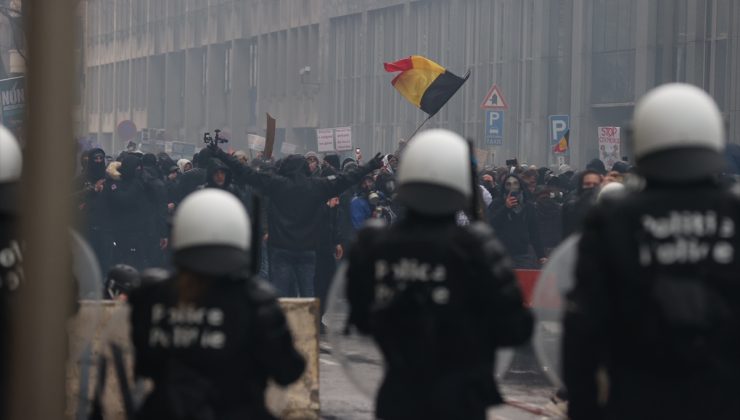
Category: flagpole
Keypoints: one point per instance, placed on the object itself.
(419, 127)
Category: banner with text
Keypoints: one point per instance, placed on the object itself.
(343, 138)
(325, 139)
(609, 145)
(256, 142)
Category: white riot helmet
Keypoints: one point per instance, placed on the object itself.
(11, 163)
(434, 175)
(211, 233)
(678, 134)
(11, 160)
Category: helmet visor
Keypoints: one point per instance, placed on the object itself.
(212, 260)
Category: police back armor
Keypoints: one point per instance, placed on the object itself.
(657, 302)
(438, 299)
(211, 359)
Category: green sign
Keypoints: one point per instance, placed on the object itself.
(13, 104)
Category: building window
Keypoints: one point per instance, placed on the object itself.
(613, 43)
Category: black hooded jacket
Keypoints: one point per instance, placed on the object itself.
(577, 205)
(155, 201)
(517, 227)
(218, 164)
(126, 198)
(296, 199)
(89, 203)
(194, 178)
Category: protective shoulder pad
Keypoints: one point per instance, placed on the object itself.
(154, 276)
(482, 231)
(373, 223)
(370, 231)
(734, 191)
(260, 291)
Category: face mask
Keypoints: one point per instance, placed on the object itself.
(512, 185)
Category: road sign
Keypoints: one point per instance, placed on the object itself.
(494, 128)
(494, 100)
(126, 130)
(559, 124)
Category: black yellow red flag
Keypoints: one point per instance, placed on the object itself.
(424, 83)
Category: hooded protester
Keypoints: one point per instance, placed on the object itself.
(156, 208)
(184, 165)
(126, 201)
(348, 165)
(488, 179)
(170, 183)
(332, 160)
(596, 165)
(514, 219)
(345, 206)
(164, 163)
(91, 207)
(329, 248)
(360, 209)
(549, 214)
(312, 159)
(219, 175)
(296, 200)
(587, 185)
(191, 180)
(84, 156)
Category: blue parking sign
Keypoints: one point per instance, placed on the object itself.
(559, 124)
(494, 128)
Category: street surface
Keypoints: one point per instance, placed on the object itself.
(528, 392)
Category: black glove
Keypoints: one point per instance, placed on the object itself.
(376, 162)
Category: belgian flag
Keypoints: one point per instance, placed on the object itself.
(563, 143)
(424, 83)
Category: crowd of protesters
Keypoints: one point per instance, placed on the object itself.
(311, 206)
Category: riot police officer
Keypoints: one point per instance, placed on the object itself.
(211, 335)
(11, 270)
(437, 298)
(656, 302)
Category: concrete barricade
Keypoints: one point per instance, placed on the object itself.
(99, 323)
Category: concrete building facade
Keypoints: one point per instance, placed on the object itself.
(188, 66)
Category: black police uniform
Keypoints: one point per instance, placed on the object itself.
(212, 359)
(438, 299)
(657, 303)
